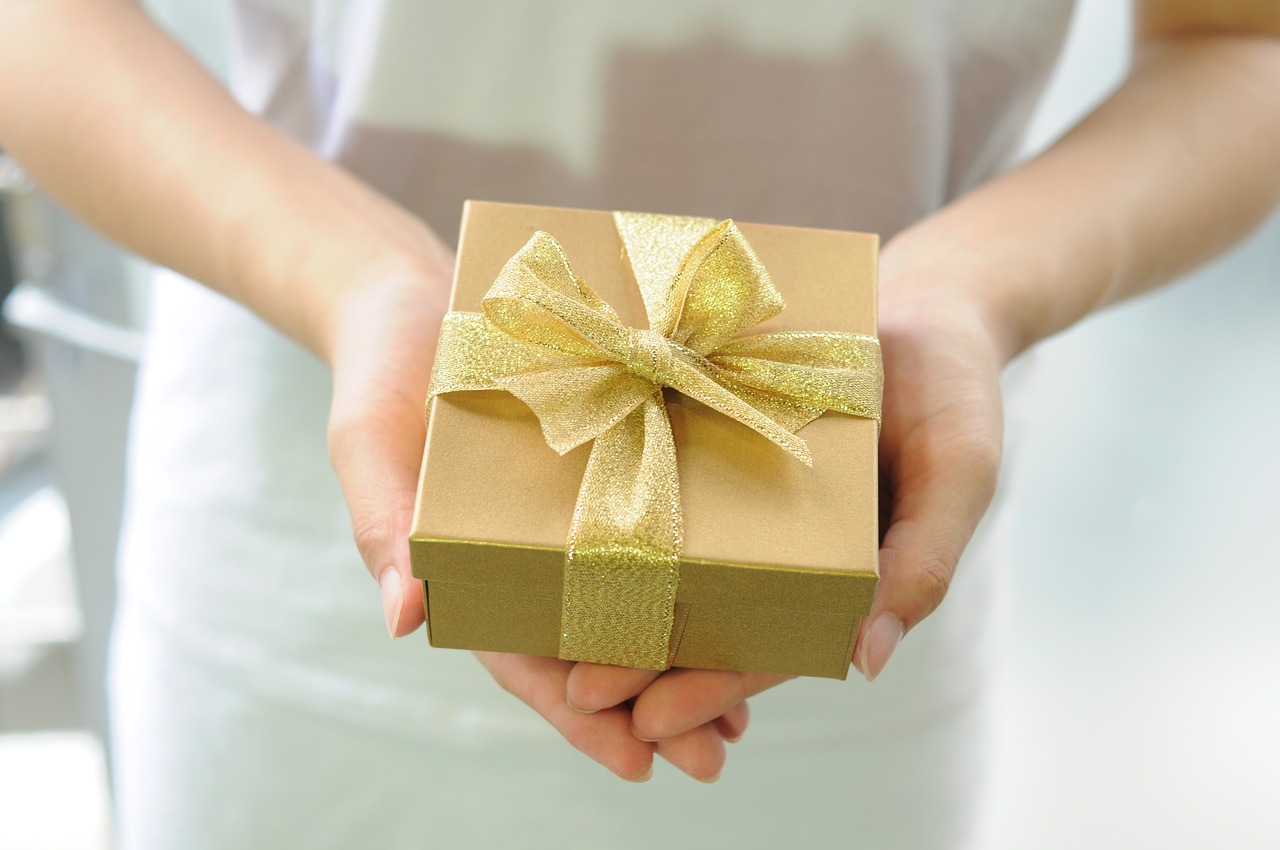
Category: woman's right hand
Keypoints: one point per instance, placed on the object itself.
(382, 344)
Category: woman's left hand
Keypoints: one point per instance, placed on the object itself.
(939, 452)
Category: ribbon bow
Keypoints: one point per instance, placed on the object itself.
(548, 339)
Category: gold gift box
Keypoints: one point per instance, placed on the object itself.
(779, 560)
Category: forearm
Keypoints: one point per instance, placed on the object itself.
(126, 130)
(1174, 168)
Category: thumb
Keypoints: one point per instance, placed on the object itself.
(941, 490)
(376, 448)
(377, 427)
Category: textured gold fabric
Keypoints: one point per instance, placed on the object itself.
(548, 339)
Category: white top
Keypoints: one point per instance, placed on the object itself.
(237, 555)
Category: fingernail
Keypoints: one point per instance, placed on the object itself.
(643, 738)
(882, 639)
(392, 598)
(648, 774)
(569, 702)
(708, 780)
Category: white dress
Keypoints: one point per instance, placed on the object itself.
(257, 700)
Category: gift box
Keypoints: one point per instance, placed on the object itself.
(723, 541)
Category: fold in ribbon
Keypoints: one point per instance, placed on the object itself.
(548, 339)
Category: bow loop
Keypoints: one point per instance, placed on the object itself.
(714, 290)
(821, 371)
(538, 299)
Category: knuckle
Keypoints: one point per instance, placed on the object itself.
(502, 673)
(979, 456)
(371, 534)
(979, 449)
(498, 664)
(986, 454)
(930, 582)
(987, 464)
(341, 435)
(505, 684)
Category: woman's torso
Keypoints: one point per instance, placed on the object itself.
(855, 115)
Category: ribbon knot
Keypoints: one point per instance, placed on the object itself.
(548, 339)
(649, 356)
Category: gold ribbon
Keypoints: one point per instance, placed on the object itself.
(548, 339)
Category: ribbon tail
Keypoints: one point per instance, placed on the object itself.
(623, 556)
(693, 382)
(823, 371)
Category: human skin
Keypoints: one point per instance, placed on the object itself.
(1174, 168)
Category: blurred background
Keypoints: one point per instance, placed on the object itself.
(1140, 692)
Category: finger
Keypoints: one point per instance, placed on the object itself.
(592, 687)
(684, 699)
(943, 485)
(732, 725)
(698, 753)
(604, 736)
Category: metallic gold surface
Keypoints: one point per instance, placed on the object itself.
(547, 338)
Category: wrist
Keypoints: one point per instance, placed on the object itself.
(925, 276)
(405, 288)
(945, 266)
(341, 243)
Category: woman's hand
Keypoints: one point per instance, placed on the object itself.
(383, 341)
(939, 449)
(605, 728)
